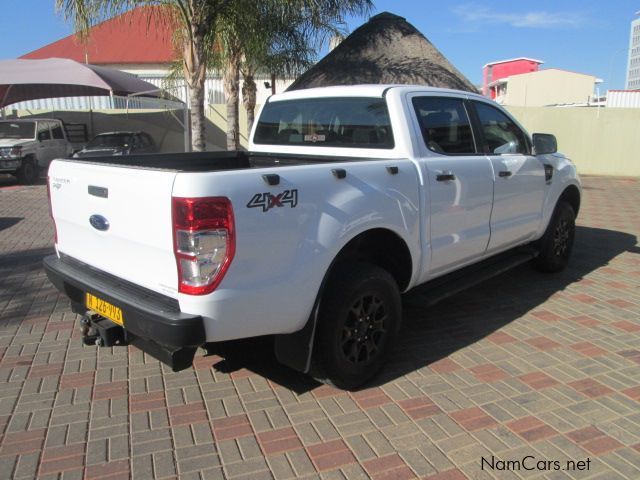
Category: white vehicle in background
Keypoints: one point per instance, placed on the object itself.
(347, 198)
(28, 146)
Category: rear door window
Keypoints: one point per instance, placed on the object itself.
(358, 122)
(445, 125)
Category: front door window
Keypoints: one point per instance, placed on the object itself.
(501, 134)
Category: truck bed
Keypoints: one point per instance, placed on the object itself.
(135, 193)
(212, 161)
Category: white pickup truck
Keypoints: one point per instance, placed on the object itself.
(27, 146)
(348, 197)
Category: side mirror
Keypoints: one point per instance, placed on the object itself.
(544, 143)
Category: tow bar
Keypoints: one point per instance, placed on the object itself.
(100, 331)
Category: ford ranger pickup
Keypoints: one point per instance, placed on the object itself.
(348, 198)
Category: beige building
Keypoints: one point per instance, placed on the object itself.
(550, 86)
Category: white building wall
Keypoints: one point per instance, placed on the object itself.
(623, 98)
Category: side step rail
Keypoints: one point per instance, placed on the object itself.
(450, 284)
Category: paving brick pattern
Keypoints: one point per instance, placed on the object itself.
(527, 365)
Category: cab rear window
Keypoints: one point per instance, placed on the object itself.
(326, 122)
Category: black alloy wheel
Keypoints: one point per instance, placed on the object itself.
(360, 315)
(557, 242)
(561, 237)
(364, 329)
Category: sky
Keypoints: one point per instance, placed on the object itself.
(585, 36)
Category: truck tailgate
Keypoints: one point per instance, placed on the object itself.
(137, 243)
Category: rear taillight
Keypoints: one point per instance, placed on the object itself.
(55, 229)
(204, 242)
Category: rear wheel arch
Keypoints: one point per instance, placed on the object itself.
(381, 247)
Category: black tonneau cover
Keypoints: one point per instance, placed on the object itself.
(213, 161)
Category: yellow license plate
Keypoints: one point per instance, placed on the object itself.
(105, 309)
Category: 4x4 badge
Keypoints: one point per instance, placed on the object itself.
(267, 200)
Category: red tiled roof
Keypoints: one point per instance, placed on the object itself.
(136, 36)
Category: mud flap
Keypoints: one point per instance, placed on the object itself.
(295, 349)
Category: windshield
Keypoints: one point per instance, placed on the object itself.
(17, 129)
(111, 140)
(326, 122)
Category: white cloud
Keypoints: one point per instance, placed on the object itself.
(476, 16)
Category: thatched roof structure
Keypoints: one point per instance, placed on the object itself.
(386, 49)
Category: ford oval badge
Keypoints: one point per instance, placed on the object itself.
(99, 222)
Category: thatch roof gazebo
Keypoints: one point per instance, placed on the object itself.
(386, 49)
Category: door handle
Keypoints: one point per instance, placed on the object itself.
(505, 173)
(445, 177)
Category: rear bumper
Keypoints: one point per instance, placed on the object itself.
(153, 322)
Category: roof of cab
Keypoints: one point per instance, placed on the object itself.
(374, 90)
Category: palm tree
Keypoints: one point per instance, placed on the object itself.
(282, 47)
(228, 57)
(194, 21)
(278, 36)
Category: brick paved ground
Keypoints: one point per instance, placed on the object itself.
(526, 364)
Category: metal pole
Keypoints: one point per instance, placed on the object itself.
(6, 95)
(91, 129)
(185, 112)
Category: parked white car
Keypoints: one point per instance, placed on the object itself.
(28, 146)
(348, 197)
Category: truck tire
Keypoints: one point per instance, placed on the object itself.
(555, 245)
(28, 173)
(360, 315)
